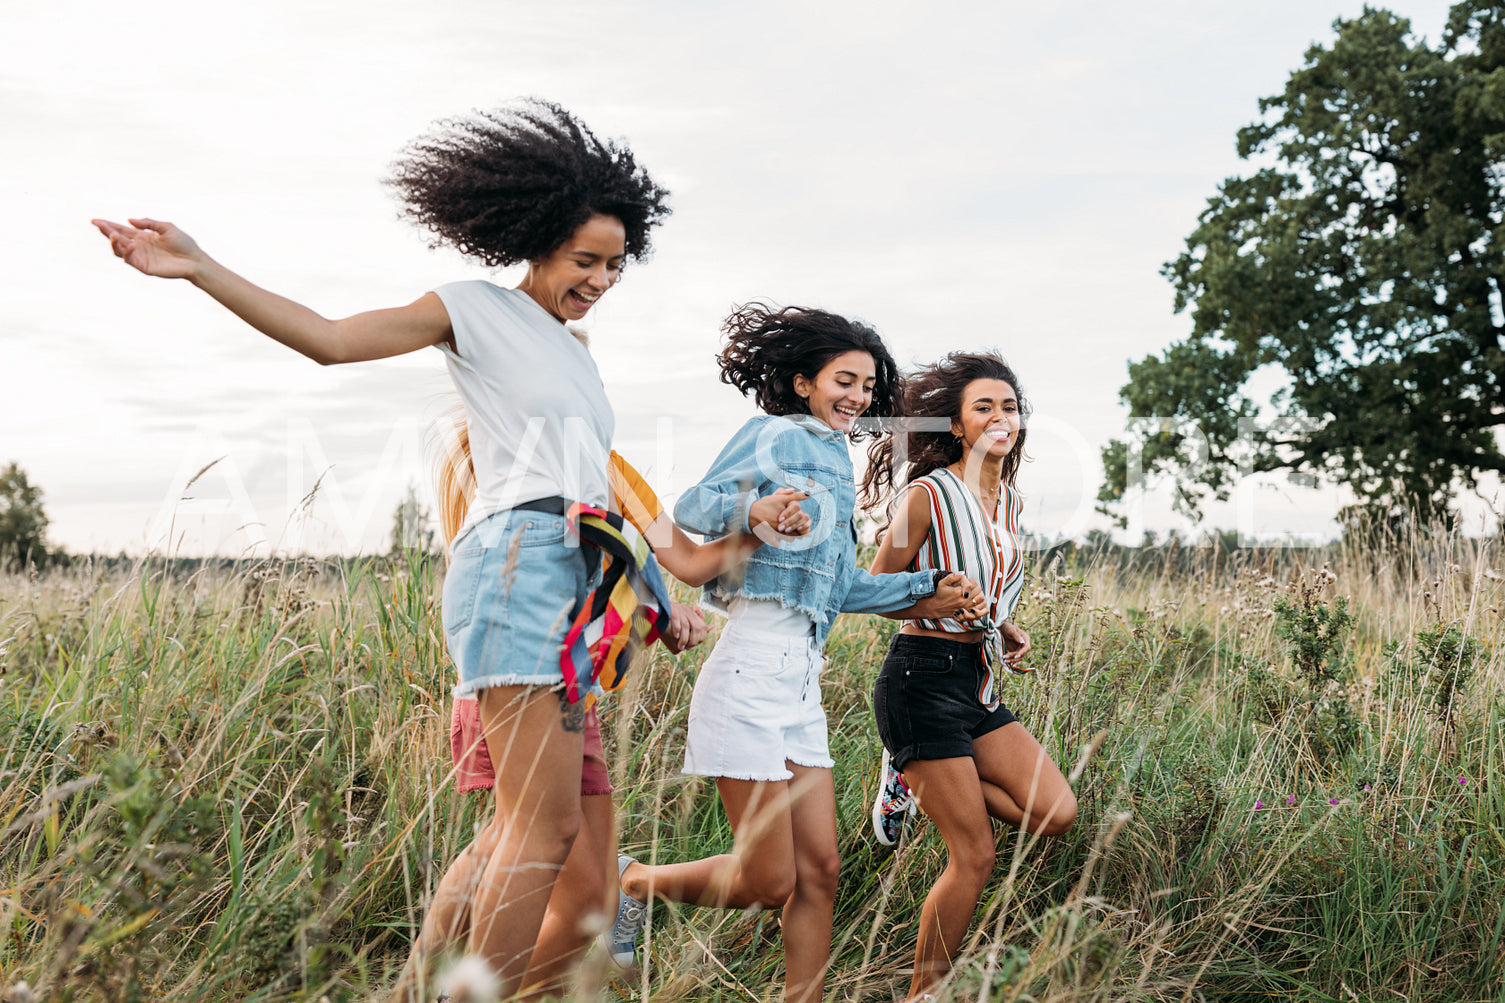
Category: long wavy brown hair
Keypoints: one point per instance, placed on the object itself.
(938, 391)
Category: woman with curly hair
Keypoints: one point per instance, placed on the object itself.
(756, 721)
(527, 183)
(944, 731)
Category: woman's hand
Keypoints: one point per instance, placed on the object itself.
(153, 248)
(687, 628)
(956, 597)
(781, 513)
(1015, 642)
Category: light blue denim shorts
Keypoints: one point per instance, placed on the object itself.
(512, 583)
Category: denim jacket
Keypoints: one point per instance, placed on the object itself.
(817, 573)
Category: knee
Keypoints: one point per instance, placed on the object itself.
(1062, 816)
(973, 859)
(770, 888)
(547, 836)
(819, 874)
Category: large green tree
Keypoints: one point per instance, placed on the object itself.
(1362, 255)
(23, 523)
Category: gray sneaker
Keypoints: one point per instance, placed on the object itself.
(632, 914)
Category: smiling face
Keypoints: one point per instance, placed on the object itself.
(842, 389)
(569, 280)
(989, 421)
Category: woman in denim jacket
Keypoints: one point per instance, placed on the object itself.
(756, 721)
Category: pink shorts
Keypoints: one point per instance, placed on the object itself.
(473, 769)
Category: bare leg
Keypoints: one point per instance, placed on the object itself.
(447, 921)
(1020, 783)
(952, 796)
(817, 867)
(760, 870)
(534, 738)
(580, 894)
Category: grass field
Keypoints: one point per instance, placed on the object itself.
(233, 785)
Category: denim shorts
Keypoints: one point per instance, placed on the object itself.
(927, 699)
(513, 581)
(756, 705)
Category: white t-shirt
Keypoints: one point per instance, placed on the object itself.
(539, 421)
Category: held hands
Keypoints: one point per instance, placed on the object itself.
(153, 248)
(687, 628)
(779, 515)
(957, 597)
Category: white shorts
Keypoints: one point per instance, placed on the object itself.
(756, 705)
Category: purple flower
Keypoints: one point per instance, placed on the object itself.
(1332, 800)
(1463, 780)
(1258, 805)
(1291, 799)
(1368, 788)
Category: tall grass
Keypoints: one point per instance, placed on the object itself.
(235, 785)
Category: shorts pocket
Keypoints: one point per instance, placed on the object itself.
(932, 665)
(542, 530)
(461, 583)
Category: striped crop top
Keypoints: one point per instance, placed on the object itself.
(962, 538)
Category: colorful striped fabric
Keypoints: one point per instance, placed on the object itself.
(626, 611)
(962, 538)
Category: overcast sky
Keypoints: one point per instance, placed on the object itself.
(997, 174)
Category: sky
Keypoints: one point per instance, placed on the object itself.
(961, 175)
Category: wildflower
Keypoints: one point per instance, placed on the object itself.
(1332, 800)
(1463, 780)
(1291, 799)
(1258, 805)
(1368, 788)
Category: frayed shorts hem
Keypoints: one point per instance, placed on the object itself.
(827, 764)
(471, 687)
(785, 775)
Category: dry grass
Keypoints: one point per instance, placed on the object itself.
(234, 785)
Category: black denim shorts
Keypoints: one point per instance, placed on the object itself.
(928, 699)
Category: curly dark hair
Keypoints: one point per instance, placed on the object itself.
(767, 347)
(935, 391)
(511, 184)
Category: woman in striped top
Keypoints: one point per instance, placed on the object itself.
(966, 757)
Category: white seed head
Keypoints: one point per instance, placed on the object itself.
(20, 993)
(469, 980)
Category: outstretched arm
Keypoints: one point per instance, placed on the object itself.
(956, 595)
(163, 250)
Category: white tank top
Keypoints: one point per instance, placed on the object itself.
(769, 617)
(539, 421)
